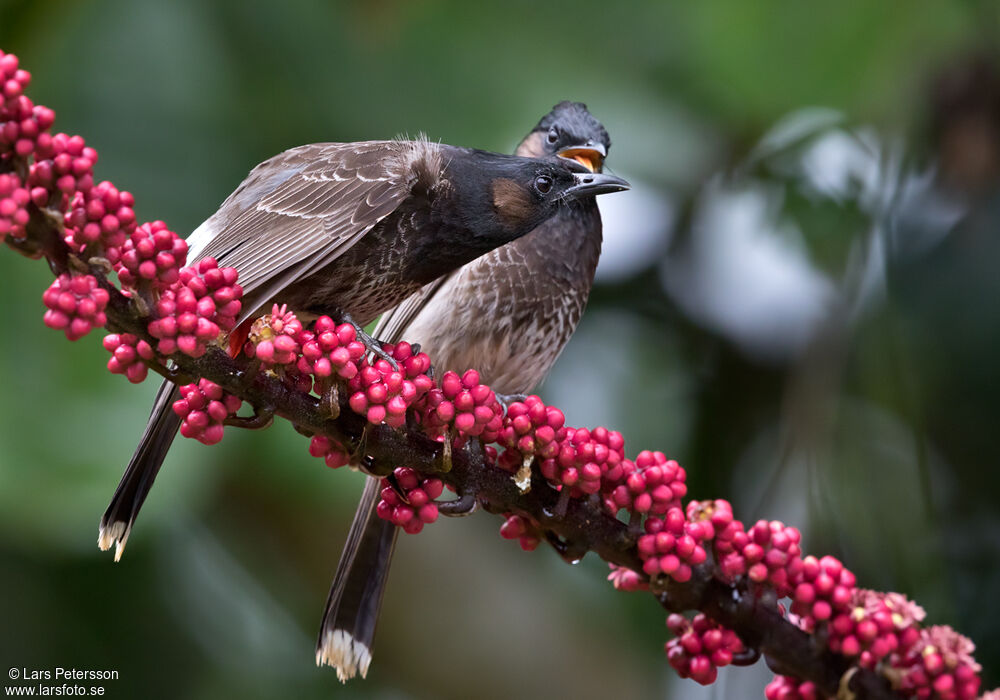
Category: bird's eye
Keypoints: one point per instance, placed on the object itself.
(543, 183)
(553, 135)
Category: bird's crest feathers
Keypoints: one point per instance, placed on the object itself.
(422, 158)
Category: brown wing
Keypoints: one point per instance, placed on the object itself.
(302, 208)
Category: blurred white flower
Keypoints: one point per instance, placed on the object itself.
(745, 273)
(637, 228)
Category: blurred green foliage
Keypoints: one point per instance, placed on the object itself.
(875, 431)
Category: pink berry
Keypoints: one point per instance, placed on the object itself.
(939, 664)
(127, 355)
(76, 304)
(204, 407)
(183, 320)
(413, 506)
(700, 647)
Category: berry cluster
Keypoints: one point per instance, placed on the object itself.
(14, 201)
(465, 404)
(768, 552)
(478, 413)
(521, 528)
(934, 663)
(719, 514)
(127, 355)
(22, 124)
(274, 338)
(875, 626)
(380, 394)
(823, 588)
(383, 394)
(76, 304)
(152, 255)
(26, 130)
(940, 665)
(334, 454)
(13, 81)
(102, 214)
(408, 499)
(672, 545)
(652, 485)
(730, 538)
(530, 429)
(701, 646)
(64, 165)
(790, 688)
(192, 313)
(330, 350)
(586, 460)
(204, 407)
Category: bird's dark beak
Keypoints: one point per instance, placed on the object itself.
(590, 184)
(589, 155)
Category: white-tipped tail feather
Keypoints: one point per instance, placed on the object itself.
(340, 650)
(116, 533)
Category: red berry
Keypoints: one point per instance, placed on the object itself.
(700, 647)
(413, 506)
(187, 318)
(204, 406)
(76, 304)
(127, 355)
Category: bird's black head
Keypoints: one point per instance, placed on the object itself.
(569, 131)
(524, 192)
(489, 199)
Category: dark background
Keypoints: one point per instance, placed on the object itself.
(798, 300)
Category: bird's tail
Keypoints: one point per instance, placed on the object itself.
(116, 524)
(348, 627)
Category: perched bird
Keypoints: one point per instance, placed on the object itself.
(507, 314)
(351, 230)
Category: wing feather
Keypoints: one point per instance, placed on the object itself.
(304, 207)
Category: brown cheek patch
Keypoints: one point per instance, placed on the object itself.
(512, 202)
(533, 146)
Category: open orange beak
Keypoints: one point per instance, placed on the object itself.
(591, 156)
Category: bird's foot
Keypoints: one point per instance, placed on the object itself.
(747, 657)
(262, 418)
(359, 454)
(507, 399)
(465, 504)
(371, 344)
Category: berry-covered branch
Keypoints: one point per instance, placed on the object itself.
(573, 488)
